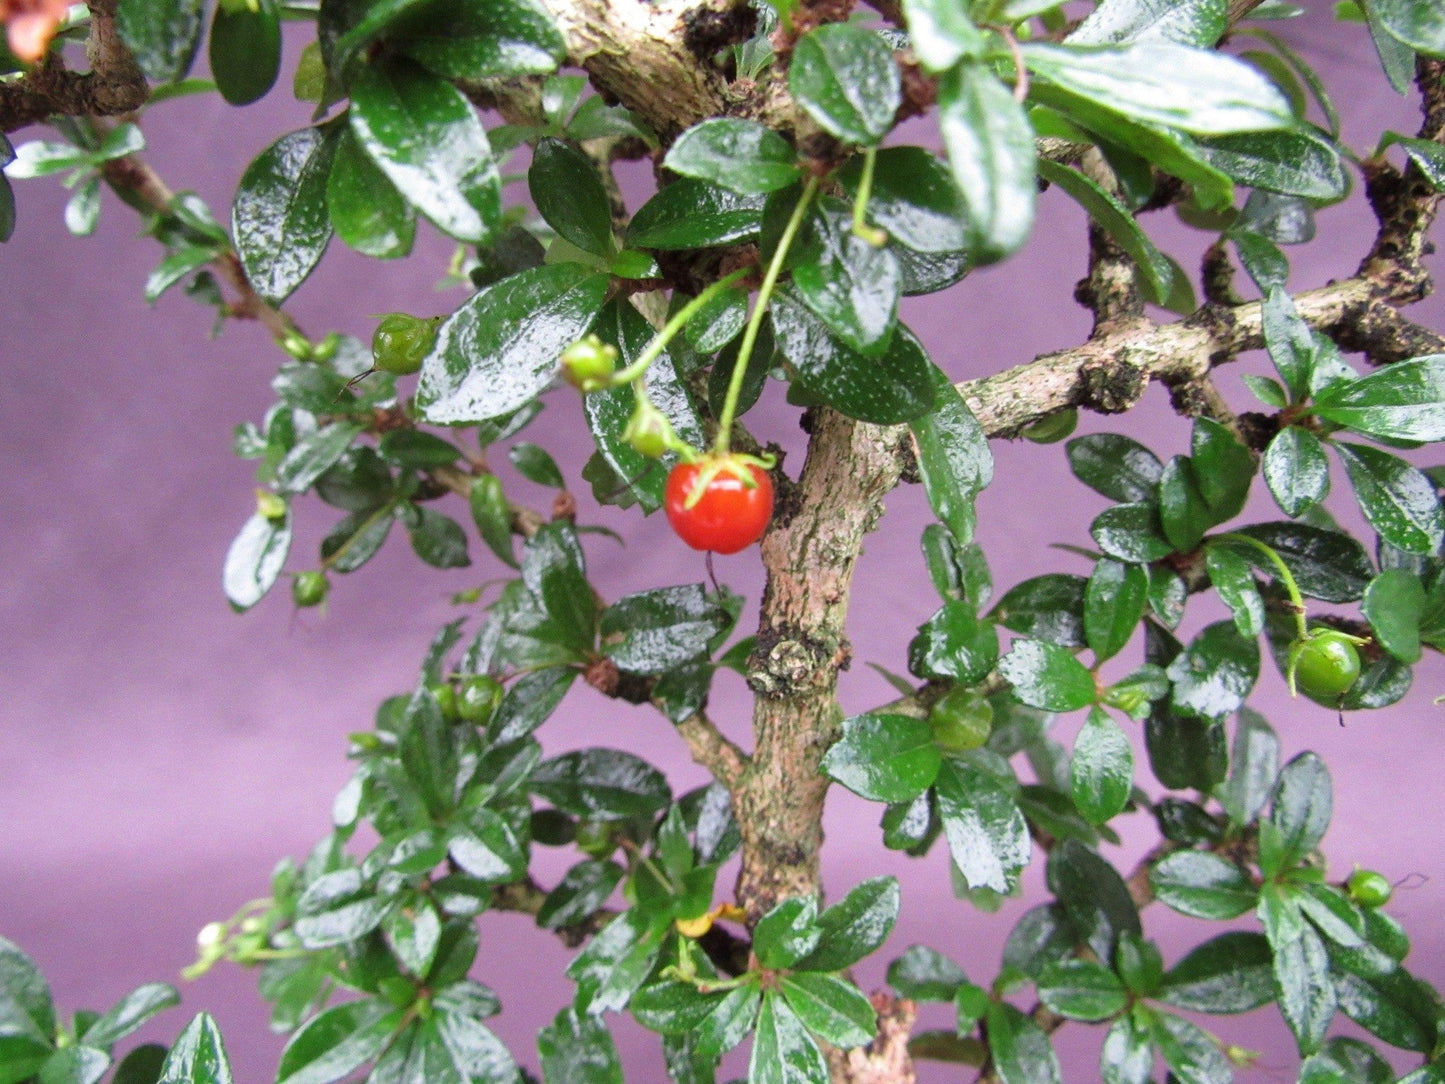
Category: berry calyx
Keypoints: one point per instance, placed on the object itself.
(719, 503)
(649, 432)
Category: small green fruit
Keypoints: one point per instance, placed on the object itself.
(1369, 888)
(588, 364)
(1054, 428)
(1325, 665)
(595, 838)
(401, 341)
(310, 588)
(478, 697)
(447, 698)
(961, 720)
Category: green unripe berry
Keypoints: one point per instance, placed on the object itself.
(649, 432)
(1053, 428)
(588, 364)
(478, 697)
(446, 698)
(961, 720)
(1325, 665)
(270, 505)
(401, 341)
(1369, 888)
(595, 838)
(310, 588)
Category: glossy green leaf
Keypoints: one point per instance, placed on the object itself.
(1156, 274)
(1117, 466)
(568, 193)
(602, 784)
(672, 1007)
(783, 1051)
(788, 932)
(174, 268)
(1184, 750)
(1254, 766)
(615, 963)
(663, 628)
(1296, 470)
(1215, 673)
(1093, 897)
(1398, 500)
(1233, 579)
(1127, 1056)
(845, 78)
(690, 213)
(577, 1047)
(582, 890)
(1114, 603)
(1350, 1061)
(740, 155)
(501, 38)
(1420, 24)
(162, 35)
(245, 51)
(198, 1056)
(130, 1012)
(428, 140)
(830, 1007)
(367, 212)
(1267, 265)
(337, 1042)
(1161, 82)
(1327, 565)
(1306, 995)
(854, 926)
(1428, 157)
(1396, 1007)
(986, 833)
(1295, 162)
(1192, 1054)
(1044, 675)
(1191, 22)
(1232, 973)
(913, 197)
(1021, 1051)
(501, 347)
(1048, 607)
(1131, 533)
(1223, 468)
(254, 560)
(954, 460)
(279, 219)
(1303, 803)
(991, 152)
(1102, 768)
(435, 537)
(492, 515)
(1403, 401)
(1394, 604)
(941, 33)
(850, 284)
(896, 386)
(313, 455)
(1081, 990)
(1203, 885)
(1184, 514)
(923, 974)
(719, 321)
(884, 757)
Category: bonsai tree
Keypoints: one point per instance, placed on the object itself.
(791, 215)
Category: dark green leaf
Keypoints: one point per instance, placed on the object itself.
(1232, 973)
(1049, 607)
(279, 219)
(1120, 468)
(925, 975)
(729, 1022)
(462, 40)
(1268, 266)
(425, 136)
(27, 1013)
(741, 155)
(913, 197)
(198, 1055)
(672, 1007)
(1254, 767)
(1042, 935)
(1185, 750)
(1327, 565)
(437, 539)
(141, 1066)
(1350, 1061)
(1403, 401)
(1233, 578)
(1223, 468)
(1303, 803)
(413, 933)
(245, 51)
(1295, 162)
(174, 268)
(1021, 1052)
(991, 152)
(1093, 897)
(788, 932)
(954, 460)
(1306, 994)
(255, 559)
(663, 628)
(488, 847)
(568, 194)
(1131, 533)
(313, 455)
(602, 784)
(986, 833)
(1192, 22)
(830, 1007)
(1044, 675)
(536, 465)
(1193, 1055)
(783, 1051)
(577, 1047)
(162, 35)
(1215, 673)
(1128, 1053)
(1296, 470)
(584, 888)
(850, 284)
(1102, 768)
(500, 348)
(955, 643)
(1203, 885)
(1395, 1007)
(1397, 499)
(337, 1042)
(130, 1012)
(367, 212)
(615, 963)
(1394, 604)
(845, 78)
(690, 213)
(1114, 603)
(1082, 990)
(1183, 512)
(356, 539)
(1420, 24)
(854, 926)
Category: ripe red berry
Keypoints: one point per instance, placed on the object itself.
(721, 505)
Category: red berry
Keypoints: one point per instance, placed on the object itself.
(721, 505)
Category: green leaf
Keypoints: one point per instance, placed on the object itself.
(1128, 1053)
(1394, 605)
(897, 386)
(1048, 607)
(425, 136)
(1350, 1061)
(1233, 578)
(162, 35)
(991, 152)
(690, 213)
(955, 642)
(850, 284)
(913, 198)
(141, 1066)
(1327, 565)
(787, 933)
(1223, 467)
(1428, 157)
(1093, 897)
(1203, 885)
(1193, 1055)
(436, 538)
(313, 455)
(1082, 990)
(27, 1013)
(536, 465)
(987, 835)
(367, 212)
(577, 1047)
(1191, 22)
(1398, 500)
(1303, 803)
(502, 38)
(1101, 771)
(1215, 673)
(130, 1012)
(1403, 401)
(245, 51)
(1106, 210)
(740, 155)
(602, 784)
(845, 78)
(337, 1042)
(1117, 466)
(854, 926)
(198, 1055)
(174, 268)
(279, 219)
(616, 962)
(1295, 162)
(783, 1051)
(923, 974)
(569, 195)
(1160, 82)
(453, 1046)
(500, 349)
(941, 33)
(1396, 1007)
(663, 628)
(1254, 767)
(1232, 973)
(1302, 977)
(413, 933)
(672, 1006)
(1420, 24)
(1131, 533)
(1267, 265)
(584, 888)
(254, 560)
(1021, 1051)
(1044, 675)
(954, 460)
(1296, 470)
(1183, 512)
(1114, 603)
(831, 1008)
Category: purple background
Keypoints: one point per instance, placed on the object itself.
(161, 753)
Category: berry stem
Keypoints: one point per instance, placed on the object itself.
(872, 234)
(1297, 602)
(750, 333)
(672, 327)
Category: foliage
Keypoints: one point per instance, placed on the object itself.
(779, 248)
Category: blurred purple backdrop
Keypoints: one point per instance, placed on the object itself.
(161, 753)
